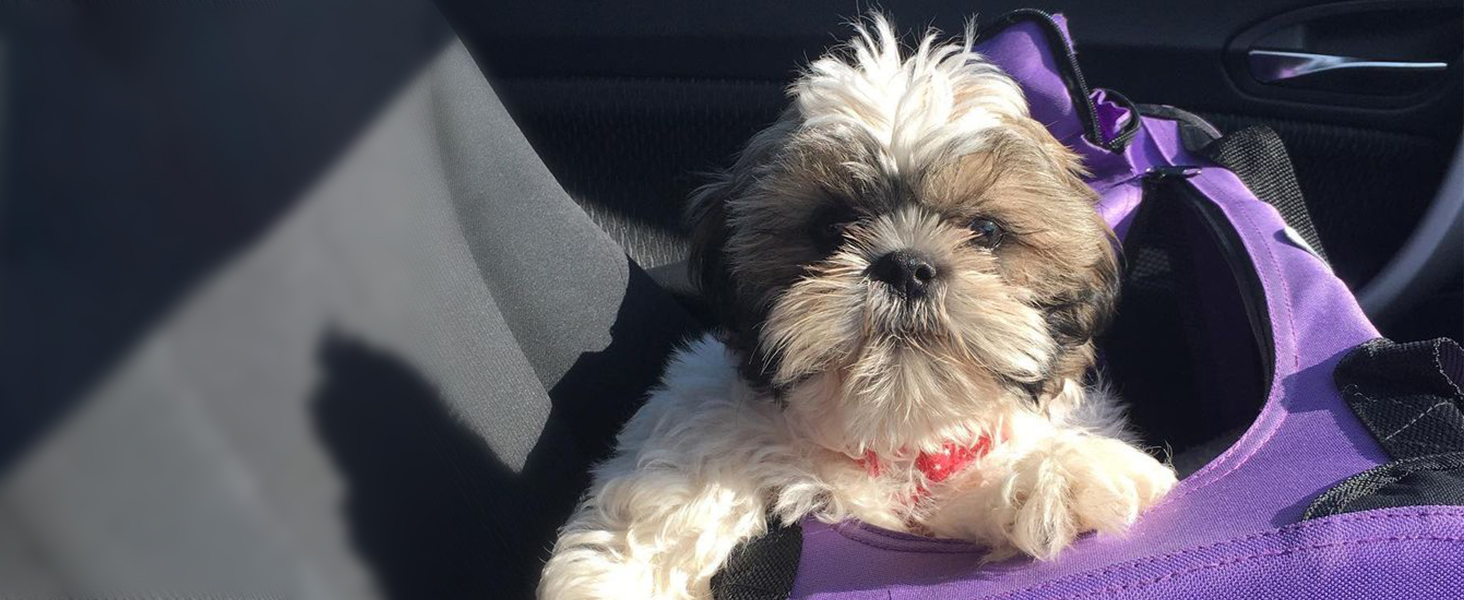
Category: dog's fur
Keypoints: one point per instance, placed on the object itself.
(821, 365)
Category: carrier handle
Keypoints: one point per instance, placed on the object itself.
(1066, 61)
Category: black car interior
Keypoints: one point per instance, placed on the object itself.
(628, 107)
(160, 176)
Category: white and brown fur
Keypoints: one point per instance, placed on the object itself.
(821, 364)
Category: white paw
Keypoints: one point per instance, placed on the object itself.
(1088, 484)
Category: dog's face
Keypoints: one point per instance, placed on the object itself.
(905, 242)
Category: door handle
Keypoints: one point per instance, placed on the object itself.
(1277, 66)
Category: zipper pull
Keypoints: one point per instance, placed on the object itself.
(1171, 172)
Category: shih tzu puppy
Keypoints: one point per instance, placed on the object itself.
(911, 274)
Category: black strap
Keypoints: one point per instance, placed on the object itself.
(1257, 156)
(1408, 395)
(1129, 128)
(1409, 398)
(1436, 479)
(1194, 131)
(762, 568)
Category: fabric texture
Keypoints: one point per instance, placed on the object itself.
(309, 321)
(1352, 176)
(762, 568)
(634, 155)
(1407, 394)
(1257, 156)
(1181, 326)
(1231, 529)
(1433, 479)
(1194, 132)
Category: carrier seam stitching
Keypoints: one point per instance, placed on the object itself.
(956, 546)
(1240, 540)
(1438, 360)
(1355, 389)
(896, 537)
(1274, 265)
(1418, 418)
(1249, 557)
(1276, 378)
(968, 548)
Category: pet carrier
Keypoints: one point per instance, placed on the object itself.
(1319, 460)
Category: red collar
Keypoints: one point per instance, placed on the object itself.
(940, 465)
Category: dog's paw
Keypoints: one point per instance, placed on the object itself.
(1087, 484)
(588, 573)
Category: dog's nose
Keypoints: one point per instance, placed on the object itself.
(909, 272)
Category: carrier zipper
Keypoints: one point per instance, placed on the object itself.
(1173, 182)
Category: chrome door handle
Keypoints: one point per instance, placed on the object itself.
(1271, 66)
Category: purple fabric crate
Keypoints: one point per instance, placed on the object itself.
(1231, 529)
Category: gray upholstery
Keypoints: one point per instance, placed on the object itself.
(289, 308)
(389, 387)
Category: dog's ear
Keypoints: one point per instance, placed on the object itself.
(1077, 319)
(709, 219)
(706, 218)
(1081, 319)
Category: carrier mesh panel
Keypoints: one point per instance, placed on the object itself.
(1410, 399)
(1179, 351)
(1408, 395)
(1257, 156)
(762, 568)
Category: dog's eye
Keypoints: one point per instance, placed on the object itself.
(834, 231)
(988, 233)
(831, 225)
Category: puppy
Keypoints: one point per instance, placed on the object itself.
(911, 275)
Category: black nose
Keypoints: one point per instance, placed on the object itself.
(909, 272)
